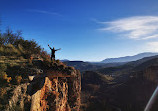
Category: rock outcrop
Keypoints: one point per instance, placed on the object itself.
(52, 91)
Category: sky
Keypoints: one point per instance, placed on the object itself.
(88, 30)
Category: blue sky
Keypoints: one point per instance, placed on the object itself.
(89, 30)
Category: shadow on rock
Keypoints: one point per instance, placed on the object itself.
(36, 84)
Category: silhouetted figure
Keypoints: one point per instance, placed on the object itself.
(53, 52)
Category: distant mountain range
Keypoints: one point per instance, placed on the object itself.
(129, 58)
(87, 66)
(111, 62)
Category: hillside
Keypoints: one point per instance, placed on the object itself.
(33, 86)
(82, 66)
(129, 58)
(130, 66)
(30, 81)
(129, 90)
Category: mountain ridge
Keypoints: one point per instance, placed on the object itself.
(129, 58)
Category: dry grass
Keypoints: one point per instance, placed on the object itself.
(11, 60)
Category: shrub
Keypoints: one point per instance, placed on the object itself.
(21, 49)
(3, 91)
(9, 79)
(2, 40)
(58, 61)
(19, 45)
(1, 50)
(9, 50)
(45, 55)
(30, 60)
(61, 67)
(29, 46)
(18, 79)
(71, 68)
(4, 78)
(55, 64)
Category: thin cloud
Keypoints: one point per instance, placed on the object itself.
(152, 46)
(137, 27)
(44, 12)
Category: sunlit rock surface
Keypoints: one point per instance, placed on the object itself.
(53, 91)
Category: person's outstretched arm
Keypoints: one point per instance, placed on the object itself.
(49, 47)
(58, 49)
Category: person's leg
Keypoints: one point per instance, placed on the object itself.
(53, 57)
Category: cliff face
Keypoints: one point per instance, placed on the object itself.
(54, 91)
(60, 92)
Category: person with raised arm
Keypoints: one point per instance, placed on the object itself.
(53, 52)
